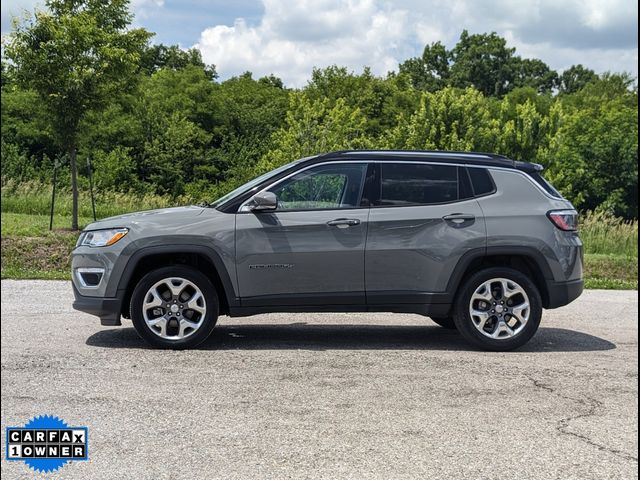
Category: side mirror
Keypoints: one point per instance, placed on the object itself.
(263, 201)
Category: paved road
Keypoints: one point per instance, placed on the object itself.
(328, 396)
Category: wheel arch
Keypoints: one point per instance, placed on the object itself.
(200, 257)
(526, 260)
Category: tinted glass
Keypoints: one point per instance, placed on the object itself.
(481, 181)
(325, 186)
(540, 180)
(418, 184)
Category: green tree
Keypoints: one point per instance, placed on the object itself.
(448, 119)
(532, 72)
(593, 157)
(483, 61)
(575, 78)
(312, 127)
(76, 55)
(430, 72)
(157, 57)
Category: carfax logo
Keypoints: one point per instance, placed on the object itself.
(46, 443)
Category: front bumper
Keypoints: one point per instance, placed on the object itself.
(108, 309)
(563, 293)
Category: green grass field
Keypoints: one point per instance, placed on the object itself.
(30, 250)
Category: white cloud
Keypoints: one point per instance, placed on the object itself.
(295, 36)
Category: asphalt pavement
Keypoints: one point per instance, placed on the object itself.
(328, 395)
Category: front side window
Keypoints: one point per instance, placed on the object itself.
(322, 187)
(418, 184)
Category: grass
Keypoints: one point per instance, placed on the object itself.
(608, 235)
(35, 199)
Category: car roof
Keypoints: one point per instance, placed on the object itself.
(467, 158)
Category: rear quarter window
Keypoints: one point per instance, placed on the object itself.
(481, 181)
(546, 186)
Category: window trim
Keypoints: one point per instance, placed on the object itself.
(242, 208)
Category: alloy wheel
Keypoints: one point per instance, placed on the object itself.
(499, 308)
(174, 308)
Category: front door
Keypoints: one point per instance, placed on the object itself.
(310, 250)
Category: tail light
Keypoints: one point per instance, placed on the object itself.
(566, 220)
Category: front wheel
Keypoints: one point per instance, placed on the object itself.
(498, 309)
(174, 307)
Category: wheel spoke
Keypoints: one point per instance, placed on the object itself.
(483, 316)
(159, 322)
(502, 327)
(185, 324)
(194, 303)
(176, 290)
(509, 289)
(156, 300)
(483, 293)
(521, 312)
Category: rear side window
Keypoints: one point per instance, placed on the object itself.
(547, 187)
(481, 181)
(418, 184)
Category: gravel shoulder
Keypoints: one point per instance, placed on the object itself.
(328, 395)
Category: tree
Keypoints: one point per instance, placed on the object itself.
(312, 127)
(430, 72)
(532, 72)
(76, 55)
(593, 156)
(448, 119)
(575, 78)
(483, 61)
(157, 57)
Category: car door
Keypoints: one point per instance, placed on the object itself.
(421, 223)
(310, 250)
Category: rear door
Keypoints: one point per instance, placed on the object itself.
(310, 250)
(423, 219)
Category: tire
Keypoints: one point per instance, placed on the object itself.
(180, 313)
(445, 322)
(498, 326)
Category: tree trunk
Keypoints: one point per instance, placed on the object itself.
(74, 187)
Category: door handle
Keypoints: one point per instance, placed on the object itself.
(459, 218)
(343, 222)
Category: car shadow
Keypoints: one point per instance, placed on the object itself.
(301, 336)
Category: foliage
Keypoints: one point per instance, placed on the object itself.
(75, 55)
(155, 122)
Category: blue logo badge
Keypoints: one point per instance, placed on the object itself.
(47, 443)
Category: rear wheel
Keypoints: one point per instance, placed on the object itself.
(174, 307)
(445, 322)
(498, 309)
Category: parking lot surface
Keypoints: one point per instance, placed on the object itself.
(328, 395)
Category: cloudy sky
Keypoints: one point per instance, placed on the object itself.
(289, 37)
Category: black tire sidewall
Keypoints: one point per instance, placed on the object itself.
(463, 320)
(188, 273)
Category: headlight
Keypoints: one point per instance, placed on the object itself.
(101, 238)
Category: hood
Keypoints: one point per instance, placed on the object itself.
(168, 216)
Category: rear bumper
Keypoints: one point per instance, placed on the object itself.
(108, 309)
(563, 293)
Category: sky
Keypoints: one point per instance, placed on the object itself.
(288, 38)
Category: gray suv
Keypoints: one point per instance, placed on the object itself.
(477, 242)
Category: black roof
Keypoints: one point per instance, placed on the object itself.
(467, 158)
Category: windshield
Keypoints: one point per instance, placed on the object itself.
(252, 183)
